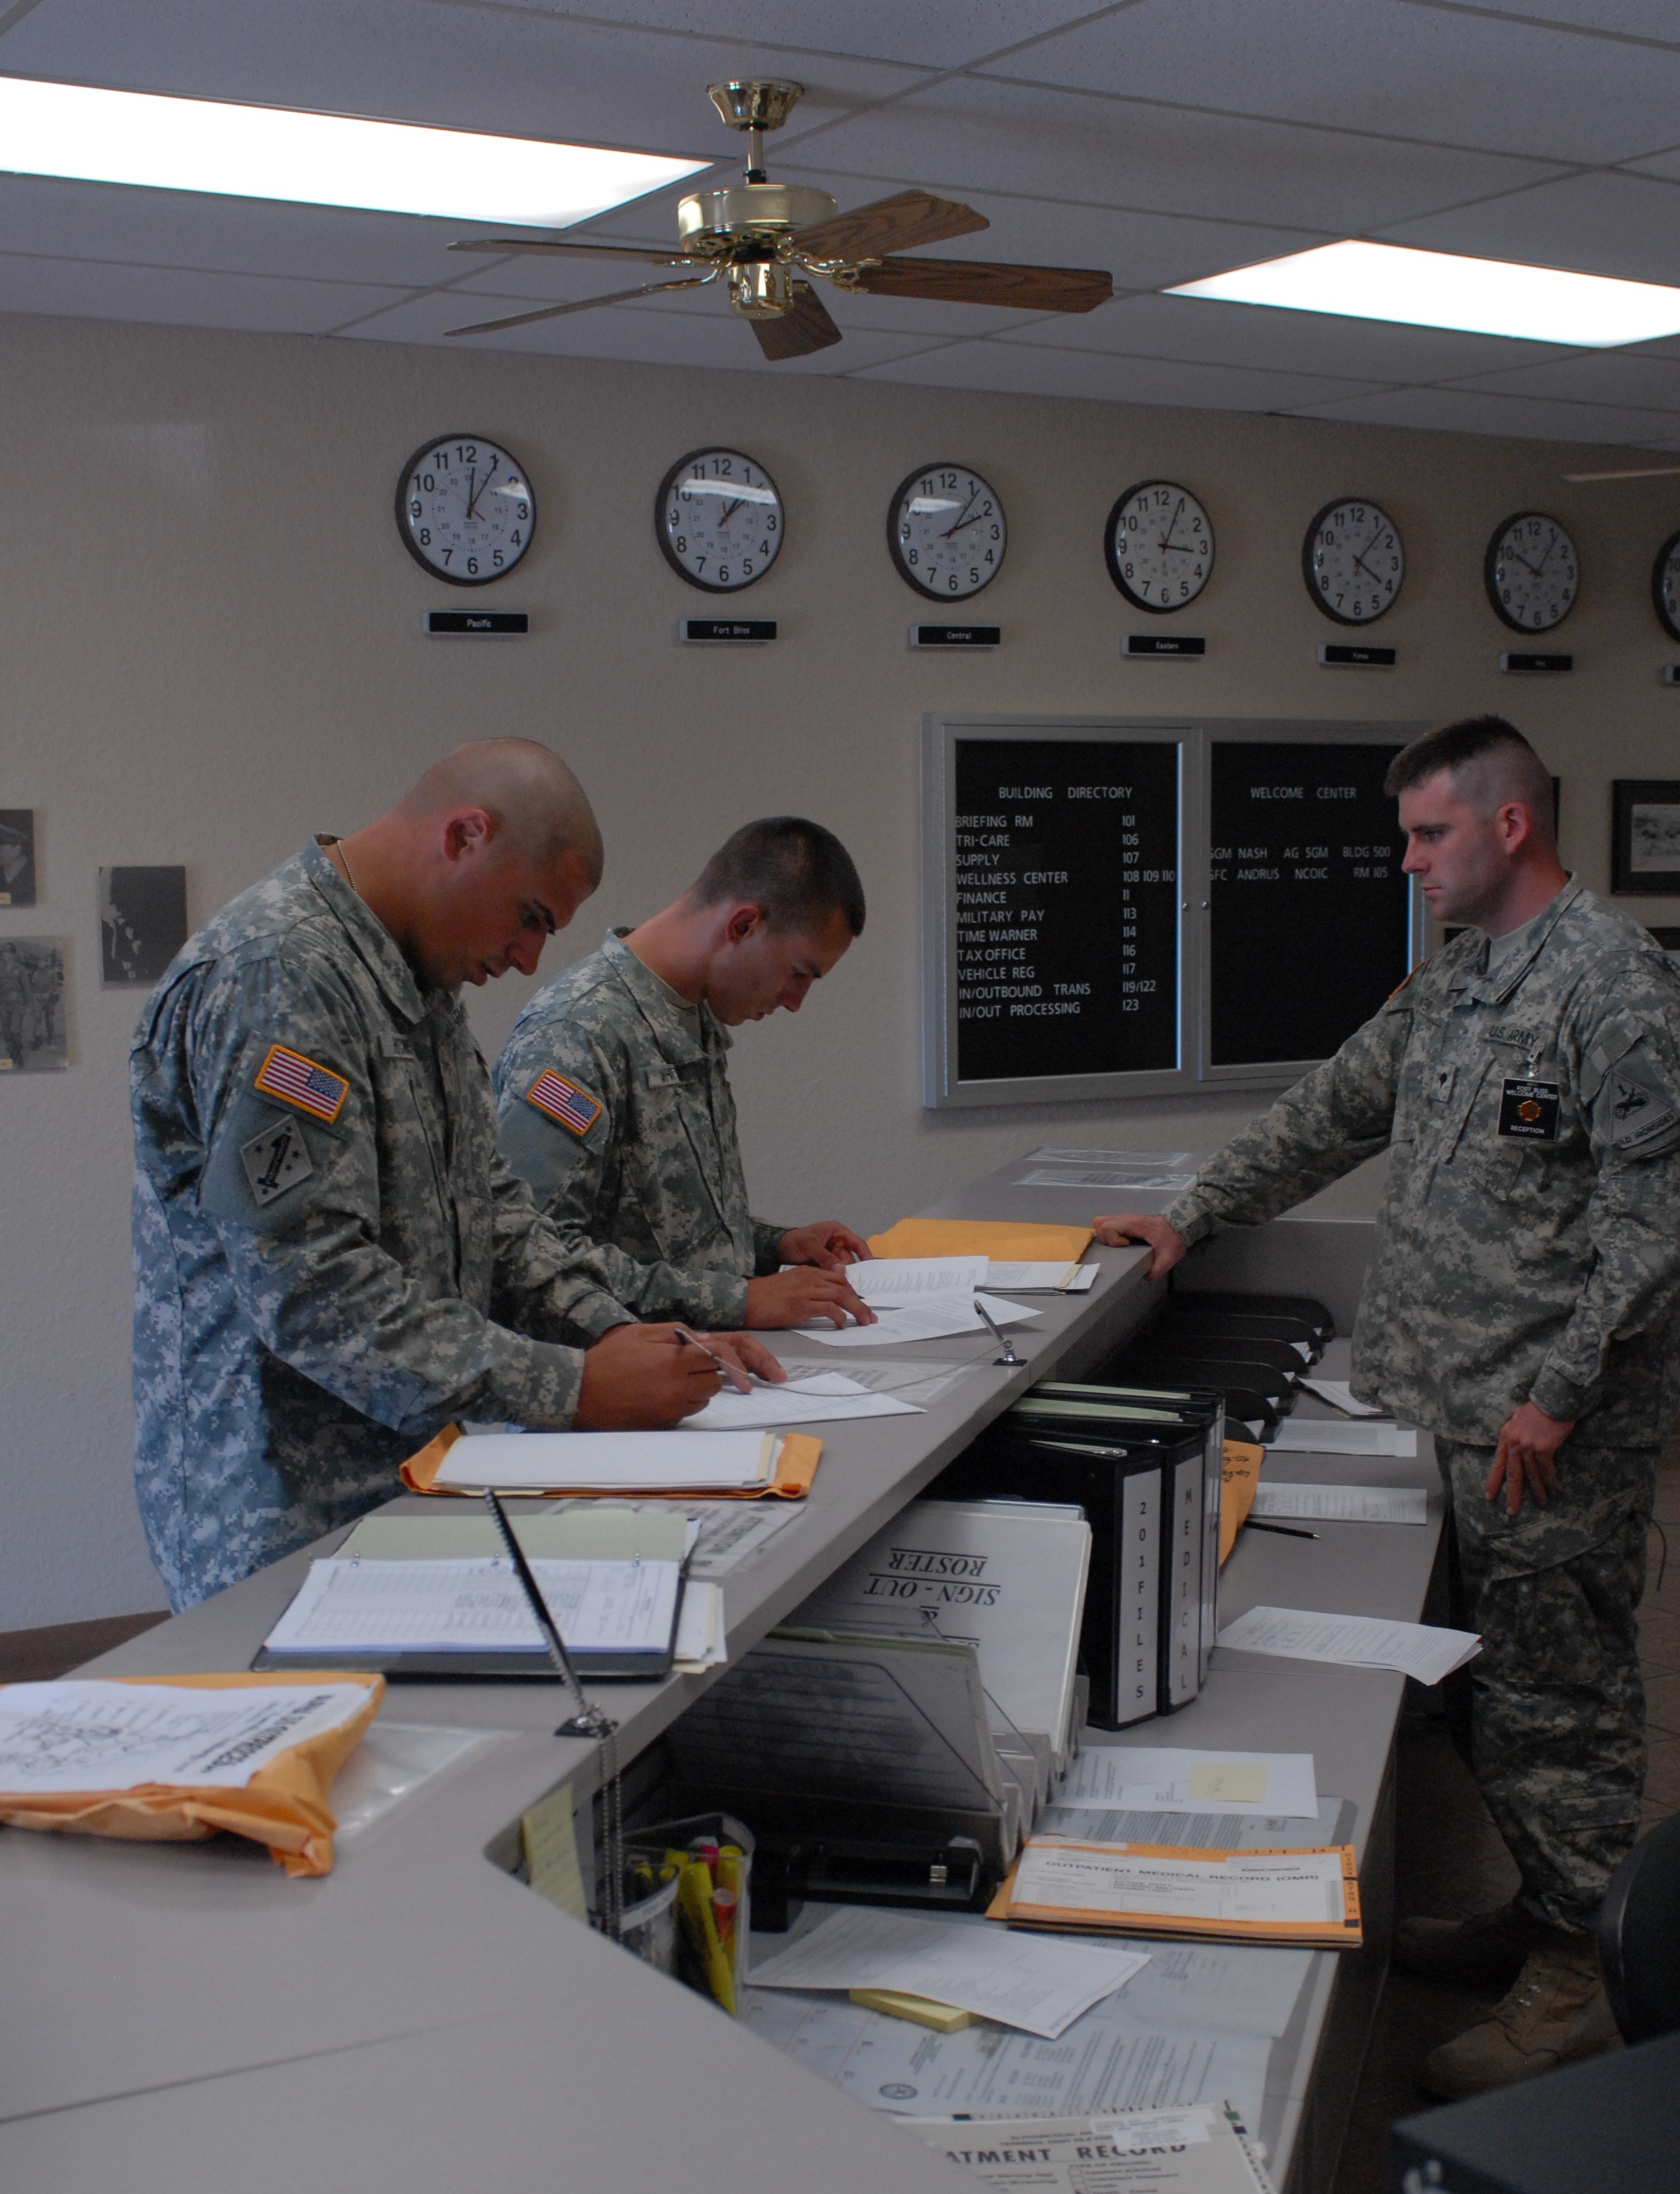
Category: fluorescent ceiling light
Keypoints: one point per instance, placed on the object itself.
(1439, 289)
(163, 144)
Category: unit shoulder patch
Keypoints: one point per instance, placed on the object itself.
(275, 1160)
(292, 1079)
(564, 1101)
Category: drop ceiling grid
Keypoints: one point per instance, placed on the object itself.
(1163, 139)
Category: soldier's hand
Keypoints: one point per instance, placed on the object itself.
(1124, 1227)
(826, 1243)
(791, 1298)
(746, 1354)
(640, 1378)
(1526, 1455)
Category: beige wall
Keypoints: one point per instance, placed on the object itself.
(212, 646)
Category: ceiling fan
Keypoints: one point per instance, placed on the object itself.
(760, 239)
(1625, 472)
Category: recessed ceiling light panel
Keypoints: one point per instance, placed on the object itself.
(141, 138)
(1439, 289)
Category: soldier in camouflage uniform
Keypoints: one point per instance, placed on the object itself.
(332, 1261)
(613, 1089)
(1521, 1305)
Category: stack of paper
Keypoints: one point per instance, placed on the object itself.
(1196, 2150)
(1040, 1987)
(1150, 1778)
(1300, 1897)
(1357, 1641)
(701, 1641)
(921, 1317)
(1340, 1396)
(1329, 1436)
(1038, 1277)
(820, 1397)
(1343, 1504)
(514, 1462)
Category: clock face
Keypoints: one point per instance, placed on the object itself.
(1665, 583)
(720, 519)
(1531, 571)
(1158, 542)
(1353, 561)
(465, 509)
(947, 530)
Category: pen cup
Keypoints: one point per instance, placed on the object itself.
(648, 1928)
(704, 1866)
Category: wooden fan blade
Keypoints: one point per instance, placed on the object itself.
(895, 224)
(548, 247)
(581, 305)
(1631, 472)
(807, 328)
(991, 282)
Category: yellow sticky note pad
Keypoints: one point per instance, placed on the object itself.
(1238, 1782)
(920, 2010)
(549, 1837)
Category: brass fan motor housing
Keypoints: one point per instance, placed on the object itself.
(712, 219)
(756, 102)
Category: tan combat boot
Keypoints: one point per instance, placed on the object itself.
(1488, 1947)
(1555, 2013)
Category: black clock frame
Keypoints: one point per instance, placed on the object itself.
(1666, 550)
(452, 578)
(672, 474)
(1491, 583)
(1109, 557)
(933, 594)
(1310, 577)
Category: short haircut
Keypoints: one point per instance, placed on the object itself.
(1491, 763)
(796, 870)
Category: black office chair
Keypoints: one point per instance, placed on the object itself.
(1639, 1936)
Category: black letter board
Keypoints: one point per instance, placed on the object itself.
(1127, 906)
(1309, 912)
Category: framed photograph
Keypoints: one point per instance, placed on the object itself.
(1645, 846)
(17, 857)
(32, 1020)
(142, 919)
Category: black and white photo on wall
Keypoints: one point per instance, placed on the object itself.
(1645, 838)
(31, 1005)
(17, 857)
(142, 922)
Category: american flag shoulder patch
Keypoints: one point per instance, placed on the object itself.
(564, 1101)
(292, 1079)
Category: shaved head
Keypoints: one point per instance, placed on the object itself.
(1491, 763)
(539, 807)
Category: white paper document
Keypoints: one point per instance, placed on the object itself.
(1326, 1436)
(1103, 2062)
(1056, 1154)
(909, 1279)
(923, 1382)
(734, 1532)
(616, 1461)
(1343, 1504)
(477, 1605)
(821, 1398)
(930, 1318)
(1086, 1178)
(1150, 1778)
(85, 1733)
(1184, 2151)
(1340, 1396)
(701, 1642)
(1361, 1641)
(1038, 1984)
(1301, 1888)
(1035, 1277)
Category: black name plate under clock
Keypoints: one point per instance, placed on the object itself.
(1355, 658)
(956, 636)
(751, 632)
(477, 624)
(1542, 663)
(1164, 645)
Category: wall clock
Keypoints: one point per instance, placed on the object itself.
(720, 519)
(1531, 571)
(1666, 584)
(947, 530)
(1352, 560)
(1159, 543)
(465, 509)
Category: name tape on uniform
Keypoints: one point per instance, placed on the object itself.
(294, 1080)
(564, 1101)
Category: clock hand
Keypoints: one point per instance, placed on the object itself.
(729, 510)
(478, 491)
(1171, 526)
(963, 520)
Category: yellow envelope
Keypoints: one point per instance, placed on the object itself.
(797, 1461)
(1007, 1239)
(1242, 1474)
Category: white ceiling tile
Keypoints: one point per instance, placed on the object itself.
(1652, 20)
(1599, 377)
(1664, 164)
(1284, 343)
(182, 297)
(1018, 369)
(511, 70)
(1603, 224)
(1455, 79)
(940, 36)
(975, 133)
(1465, 411)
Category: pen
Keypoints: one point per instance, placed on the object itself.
(1283, 1531)
(1009, 1355)
(738, 1378)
